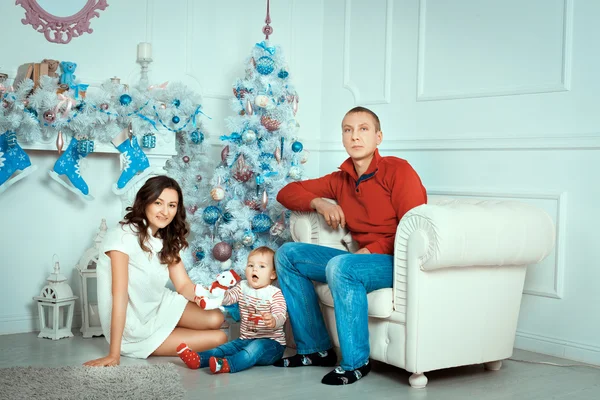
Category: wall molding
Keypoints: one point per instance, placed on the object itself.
(563, 85)
(24, 323)
(560, 226)
(387, 82)
(557, 347)
(574, 142)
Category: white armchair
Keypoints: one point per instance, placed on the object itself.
(459, 267)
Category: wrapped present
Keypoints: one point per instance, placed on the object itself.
(149, 141)
(85, 147)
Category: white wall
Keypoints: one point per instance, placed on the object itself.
(496, 99)
(202, 43)
(493, 98)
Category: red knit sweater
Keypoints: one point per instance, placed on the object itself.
(373, 204)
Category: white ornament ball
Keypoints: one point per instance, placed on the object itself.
(249, 136)
(226, 264)
(304, 157)
(217, 193)
(261, 100)
(295, 173)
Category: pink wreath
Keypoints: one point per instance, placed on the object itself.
(61, 29)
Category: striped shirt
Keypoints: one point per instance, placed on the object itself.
(254, 302)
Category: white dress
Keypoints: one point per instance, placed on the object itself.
(153, 310)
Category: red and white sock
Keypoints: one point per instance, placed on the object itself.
(218, 365)
(189, 357)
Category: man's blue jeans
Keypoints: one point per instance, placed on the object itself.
(349, 277)
(242, 354)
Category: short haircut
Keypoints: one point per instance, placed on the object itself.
(371, 113)
(264, 250)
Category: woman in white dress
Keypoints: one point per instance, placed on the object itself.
(139, 315)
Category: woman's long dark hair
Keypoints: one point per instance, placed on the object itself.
(173, 235)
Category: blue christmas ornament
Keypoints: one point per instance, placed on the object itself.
(176, 103)
(210, 215)
(227, 217)
(197, 137)
(283, 74)
(260, 179)
(265, 65)
(125, 99)
(200, 254)
(261, 223)
(175, 119)
(297, 147)
(248, 238)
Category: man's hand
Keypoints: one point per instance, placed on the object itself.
(364, 250)
(333, 213)
(269, 320)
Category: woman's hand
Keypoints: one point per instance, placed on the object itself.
(108, 361)
(333, 213)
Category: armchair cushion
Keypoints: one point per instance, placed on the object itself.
(380, 301)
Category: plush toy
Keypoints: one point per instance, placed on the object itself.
(68, 73)
(52, 67)
(209, 299)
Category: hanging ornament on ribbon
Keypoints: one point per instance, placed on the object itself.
(241, 170)
(261, 223)
(295, 104)
(279, 226)
(225, 154)
(277, 154)
(59, 142)
(218, 193)
(259, 181)
(222, 251)
(249, 109)
(248, 238)
(265, 200)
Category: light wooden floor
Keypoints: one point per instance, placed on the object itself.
(519, 381)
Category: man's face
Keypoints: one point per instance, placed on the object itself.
(359, 135)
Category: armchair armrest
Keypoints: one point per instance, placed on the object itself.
(311, 227)
(468, 232)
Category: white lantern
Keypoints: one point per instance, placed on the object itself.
(55, 306)
(90, 320)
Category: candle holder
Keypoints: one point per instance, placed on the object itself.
(144, 63)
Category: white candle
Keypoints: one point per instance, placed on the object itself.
(144, 51)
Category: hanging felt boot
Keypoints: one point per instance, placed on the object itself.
(12, 159)
(69, 164)
(134, 163)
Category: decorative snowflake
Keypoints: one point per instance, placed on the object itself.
(125, 161)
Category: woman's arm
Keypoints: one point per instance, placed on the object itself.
(120, 278)
(181, 280)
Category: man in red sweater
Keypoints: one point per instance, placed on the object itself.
(372, 194)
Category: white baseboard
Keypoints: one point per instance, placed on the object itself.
(11, 324)
(558, 347)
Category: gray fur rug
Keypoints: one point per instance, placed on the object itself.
(159, 381)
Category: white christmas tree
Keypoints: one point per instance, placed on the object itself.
(261, 154)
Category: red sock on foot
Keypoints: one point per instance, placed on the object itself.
(218, 365)
(189, 357)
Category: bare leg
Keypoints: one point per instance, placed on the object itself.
(198, 328)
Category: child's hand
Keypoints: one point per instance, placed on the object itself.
(269, 320)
